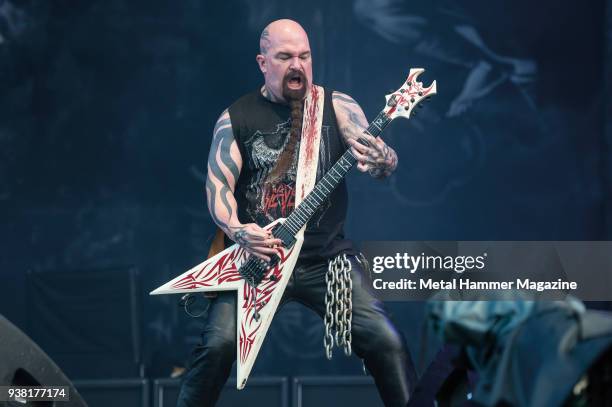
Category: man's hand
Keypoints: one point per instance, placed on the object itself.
(255, 240)
(375, 157)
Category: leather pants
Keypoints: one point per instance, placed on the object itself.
(374, 339)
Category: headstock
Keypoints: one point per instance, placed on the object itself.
(401, 102)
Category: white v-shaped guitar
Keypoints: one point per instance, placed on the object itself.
(260, 285)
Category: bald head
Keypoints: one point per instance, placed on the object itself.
(280, 31)
(285, 60)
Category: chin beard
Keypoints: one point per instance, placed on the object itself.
(294, 94)
(295, 98)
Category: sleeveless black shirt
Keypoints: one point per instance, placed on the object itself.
(261, 130)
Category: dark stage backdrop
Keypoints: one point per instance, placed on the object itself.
(107, 109)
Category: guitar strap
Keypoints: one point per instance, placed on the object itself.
(309, 143)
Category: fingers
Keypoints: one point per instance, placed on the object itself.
(359, 152)
(363, 167)
(359, 156)
(362, 159)
(263, 237)
(369, 138)
(376, 145)
(271, 242)
(263, 252)
(358, 146)
(253, 232)
(371, 154)
(380, 143)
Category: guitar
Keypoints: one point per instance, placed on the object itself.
(260, 285)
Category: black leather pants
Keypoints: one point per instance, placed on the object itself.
(375, 340)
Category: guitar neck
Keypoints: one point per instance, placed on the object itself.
(326, 185)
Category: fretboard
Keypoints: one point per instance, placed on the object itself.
(326, 185)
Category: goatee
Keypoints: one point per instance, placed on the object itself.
(294, 94)
(295, 98)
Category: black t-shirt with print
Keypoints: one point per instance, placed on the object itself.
(261, 129)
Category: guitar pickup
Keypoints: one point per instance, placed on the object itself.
(288, 241)
(284, 235)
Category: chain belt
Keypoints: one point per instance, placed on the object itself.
(338, 305)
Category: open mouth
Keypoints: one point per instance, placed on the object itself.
(294, 81)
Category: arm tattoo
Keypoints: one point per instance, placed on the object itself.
(350, 108)
(221, 147)
(240, 237)
(243, 237)
(343, 98)
(384, 163)
(381, 161)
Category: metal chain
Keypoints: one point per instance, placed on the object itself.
(330, 302)
(348, 308)
(338, 305)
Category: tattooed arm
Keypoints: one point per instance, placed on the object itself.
(224, 165)
(377, 158)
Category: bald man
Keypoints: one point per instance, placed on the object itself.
(252, 170)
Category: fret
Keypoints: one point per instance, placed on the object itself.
(309, 202)
(300, 215)
(289, 222)
(314, 192)
(344, 166)
(297, 215)
(325, 189)
(336, 171)
(293, 227)
(349, 158)
(308, 205)
(314, 203)
(331, 185)
(378, 124)
(307, 209)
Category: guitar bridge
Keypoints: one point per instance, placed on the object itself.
(254, 269)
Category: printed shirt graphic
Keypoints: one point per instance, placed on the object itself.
(270, 201)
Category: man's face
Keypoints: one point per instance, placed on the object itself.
(286, 62)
